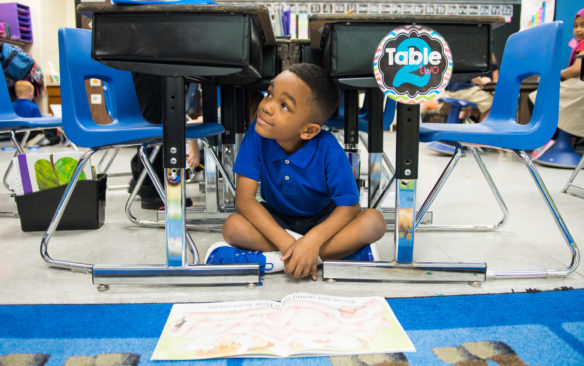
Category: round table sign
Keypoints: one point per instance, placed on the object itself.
(412, 64)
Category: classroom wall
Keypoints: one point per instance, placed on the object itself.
(47, 16)
(565, 11)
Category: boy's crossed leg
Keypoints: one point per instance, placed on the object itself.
(356, 241)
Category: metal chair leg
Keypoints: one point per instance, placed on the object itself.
(74, 266)
(108, 164)
(19, 150)
(185, 274)
(440, 183)
(73, 146)
(575, 253)
(7, 173)
(226, 177)
(139, 183)
(570, 186)
(102, 159)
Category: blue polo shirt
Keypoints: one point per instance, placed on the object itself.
(26, 108)
(301, 184)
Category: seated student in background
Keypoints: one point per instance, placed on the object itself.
(471, 91)
(570, 117)
(571, 87)
(310, 202)
(23, 105)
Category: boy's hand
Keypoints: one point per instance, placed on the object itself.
(300, 259)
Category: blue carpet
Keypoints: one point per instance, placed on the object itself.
(542, 328)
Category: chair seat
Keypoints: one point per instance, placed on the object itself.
(498, 133)
(459, 102)
(114, 133)
(40, 122)
(339, 123)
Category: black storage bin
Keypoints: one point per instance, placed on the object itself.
(86, 208)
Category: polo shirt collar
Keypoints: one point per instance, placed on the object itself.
(300, 158)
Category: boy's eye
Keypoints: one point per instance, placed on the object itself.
(285, 106)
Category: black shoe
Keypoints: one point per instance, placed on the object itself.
(151, 203)
(131, 185)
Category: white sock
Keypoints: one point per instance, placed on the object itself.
(275, 257)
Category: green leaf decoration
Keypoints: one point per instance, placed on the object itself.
(45, 174)
(65, 167)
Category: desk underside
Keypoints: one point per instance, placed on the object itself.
(225, 44)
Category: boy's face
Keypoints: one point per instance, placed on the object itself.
(579, 28)
(284, 113)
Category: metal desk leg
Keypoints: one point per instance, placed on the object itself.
(176, 270)
(408, 117)
(375, 146)
(403, 268)
(209, 107)
(352, 131)
(234, 114)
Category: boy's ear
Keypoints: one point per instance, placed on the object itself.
(309, 131)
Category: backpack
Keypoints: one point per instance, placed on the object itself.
(15, 62)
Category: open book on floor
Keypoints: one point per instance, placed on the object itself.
(299, 325)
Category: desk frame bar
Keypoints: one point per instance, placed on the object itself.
(174, 162)
(375, 146)
(408, 125)
(351, 118)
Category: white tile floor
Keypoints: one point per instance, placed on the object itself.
(530, 241)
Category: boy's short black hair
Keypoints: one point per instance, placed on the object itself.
(325, 98)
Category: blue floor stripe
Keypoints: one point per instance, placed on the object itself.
(545, 328)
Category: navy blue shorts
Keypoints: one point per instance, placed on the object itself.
(300, 224)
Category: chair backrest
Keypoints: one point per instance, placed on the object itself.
(527, 53)
(76, 66)
(6, 110)
(388, 113)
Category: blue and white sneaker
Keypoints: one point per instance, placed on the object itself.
(223, 253)
(368, 253)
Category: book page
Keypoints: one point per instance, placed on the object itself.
(38, 171)
(299, 325)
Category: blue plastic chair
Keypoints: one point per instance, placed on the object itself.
(338, 122)
(128, 127)
(11, 123)
(523, 57)
(456, 105)
(561, 154)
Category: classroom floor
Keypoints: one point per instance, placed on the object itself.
(529, 241)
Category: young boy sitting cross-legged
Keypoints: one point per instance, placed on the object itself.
(310, 202)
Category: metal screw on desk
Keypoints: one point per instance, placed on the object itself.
(407, 172)
(173, 161)
(173, 150)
